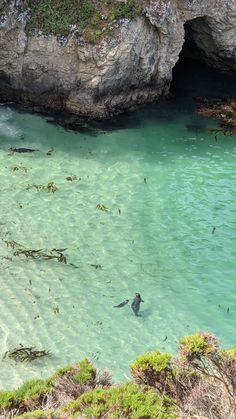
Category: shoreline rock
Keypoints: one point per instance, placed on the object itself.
(132, 66)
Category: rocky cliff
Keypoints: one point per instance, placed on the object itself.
(132, 63)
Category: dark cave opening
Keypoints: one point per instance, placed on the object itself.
(197, 71)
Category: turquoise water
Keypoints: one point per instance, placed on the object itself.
(166, 183)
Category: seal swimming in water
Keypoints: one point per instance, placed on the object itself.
(22, 150)
(136, 303)
(122, 304)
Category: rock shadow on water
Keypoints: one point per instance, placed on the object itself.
(94, 128)
(196, 127)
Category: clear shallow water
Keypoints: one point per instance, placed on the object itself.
(160, 244)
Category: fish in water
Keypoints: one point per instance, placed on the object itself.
(22, 150)
(136, 303)
(122, 304)
(213, 230)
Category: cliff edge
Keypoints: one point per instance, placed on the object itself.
(101, 57)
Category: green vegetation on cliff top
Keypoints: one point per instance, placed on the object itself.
(93, 18)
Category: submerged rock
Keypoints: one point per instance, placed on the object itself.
(131, 65)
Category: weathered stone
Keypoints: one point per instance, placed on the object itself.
(135, 66)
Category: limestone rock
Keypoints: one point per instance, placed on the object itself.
(134, 66)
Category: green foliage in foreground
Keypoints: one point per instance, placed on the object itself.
(30, 390)
(87, 372)
(162, 387)
(64, 370)
(130, 400)
(155, 360)
(195, 344)
(38, 414)
(84, 373)
(229, 353)
(6, 399)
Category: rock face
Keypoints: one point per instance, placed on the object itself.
(134, 66)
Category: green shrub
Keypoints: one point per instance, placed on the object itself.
(127, 400)
(229, 353)
(194, 343)
(38, 414)
(55, 17)
(153, 369)
(87, 372)
(126, 9)
(198, 345)
(156, 360)
(32, 389)
(6, 399)
(61, 371)
(86, 10)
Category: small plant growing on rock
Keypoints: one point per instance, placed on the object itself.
(126, 10)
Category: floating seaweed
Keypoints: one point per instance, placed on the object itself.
(25, 354)
(71, 178)
(74, 266)
(56, 310)
(12, 244)
(224, 110)
(49, 153)
(96, 266)
(102, 207)
(22, 150)
(18, 168)
(6, 258)
(38, 253)
(50, 187)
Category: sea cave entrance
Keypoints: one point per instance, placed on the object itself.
(198, 62)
